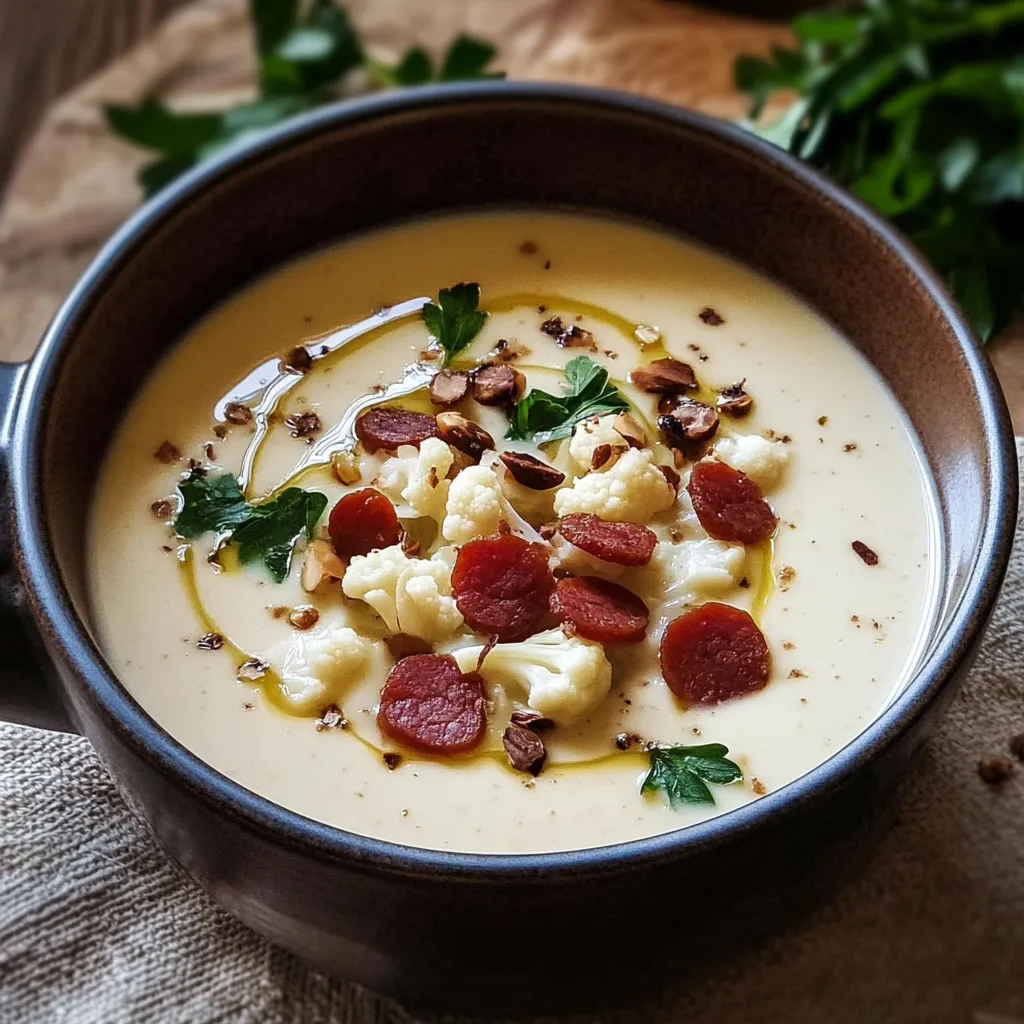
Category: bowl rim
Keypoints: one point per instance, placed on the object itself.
(53, 610)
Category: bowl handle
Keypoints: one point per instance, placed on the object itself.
(25, 696)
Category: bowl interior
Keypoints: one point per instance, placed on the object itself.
(341, 172)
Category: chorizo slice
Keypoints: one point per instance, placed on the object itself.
(729, 505)
(502, 586)
(429, 704)
(599, 610)
(714, 653)
(385, 427)
(621, 543)
(361, 522)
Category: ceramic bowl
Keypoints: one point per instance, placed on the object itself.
(453, 930)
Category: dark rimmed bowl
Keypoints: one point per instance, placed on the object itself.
(457, 930)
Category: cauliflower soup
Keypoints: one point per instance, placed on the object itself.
(513, 532)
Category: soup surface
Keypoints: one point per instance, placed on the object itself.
(683, 641)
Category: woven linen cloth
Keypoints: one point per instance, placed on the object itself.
(97, 926)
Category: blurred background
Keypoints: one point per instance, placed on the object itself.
(915, 105)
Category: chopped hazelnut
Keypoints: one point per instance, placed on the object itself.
(531, 472)
(346, 467)
(629, 430)
(167, 453)
(663, 377)
(321, 563)
(304, 617)
(303, 424)
(498, 385)
(525, 749)
(734, 401)
(463, 434)
(237, 413)
(162, 509)
(689, 423)
(449, 387)
(299, 359)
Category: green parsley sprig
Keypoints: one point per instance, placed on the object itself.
(455, 319)
(917, 106)
(682, 773)
(305, 60)
(541, 417)
(264, 533)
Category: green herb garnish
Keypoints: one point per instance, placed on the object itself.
(264, 533)
(682, 773)
(455, 319)
(304, 61)
(540, 417)
(917, 106)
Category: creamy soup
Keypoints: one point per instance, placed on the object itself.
(687, 515)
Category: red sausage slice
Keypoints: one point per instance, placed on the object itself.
(714, 653)
(622, 543)
(361, 522)
(388, 428)
(729, 505)
(502, 586)
(599, 610)
(429, 704)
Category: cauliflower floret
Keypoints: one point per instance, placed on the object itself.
(631, 491)
(699, 567)
(419, 477)
(424, 602)
(475, 505)
(762, 460)
(317, 665)
(411, 595)
(564, 677)
(589, 434)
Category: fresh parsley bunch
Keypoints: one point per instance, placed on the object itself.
(917, 106)
(305, 60)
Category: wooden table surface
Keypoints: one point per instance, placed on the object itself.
(74, 183)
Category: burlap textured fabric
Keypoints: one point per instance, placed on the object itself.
(97, 927)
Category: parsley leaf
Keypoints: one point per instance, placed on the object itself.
(455, 320)
(466, 58)
(541, 417)
(682, 773)
(917, 106)
(305, 53)
(264, 533)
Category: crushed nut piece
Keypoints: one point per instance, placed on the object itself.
(449, 387)
(162, 509)
(304, 617)
(499, 384)
(299, 359)
(210, 642)
(321, 563)
(392, 761)
(331, 718)
(626, 427)
(237, 413)
(346, 467)
(464, 434)
(531, 472)
(711, 317)
(663, 377)
(758, 786)
(251, 670)
(167, 453)
(303, 424)
(866, 554)
(525, 749)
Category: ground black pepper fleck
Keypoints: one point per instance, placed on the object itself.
(392, 761)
